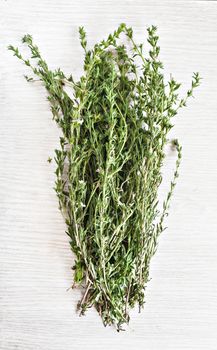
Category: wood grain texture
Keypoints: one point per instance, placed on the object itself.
(36, 311)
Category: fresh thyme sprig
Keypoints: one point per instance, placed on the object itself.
(114, 131)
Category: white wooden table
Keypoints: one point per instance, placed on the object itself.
(36, 311)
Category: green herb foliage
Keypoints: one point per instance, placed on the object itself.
(114, 131)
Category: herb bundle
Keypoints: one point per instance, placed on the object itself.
(114, 131)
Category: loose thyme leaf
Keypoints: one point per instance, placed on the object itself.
(115, 126)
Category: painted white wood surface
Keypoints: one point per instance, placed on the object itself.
(36, 311)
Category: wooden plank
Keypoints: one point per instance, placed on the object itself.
(36, 311)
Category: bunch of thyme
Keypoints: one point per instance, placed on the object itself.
(114, 131)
